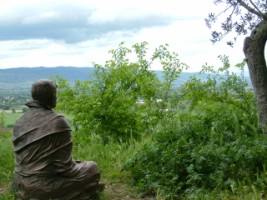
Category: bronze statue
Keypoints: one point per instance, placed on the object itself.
(42, 142)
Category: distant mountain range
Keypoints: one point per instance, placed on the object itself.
(24, 74)
(22, 78)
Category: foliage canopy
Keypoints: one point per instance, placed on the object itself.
(124, 97)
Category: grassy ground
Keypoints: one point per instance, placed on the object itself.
(10, 117)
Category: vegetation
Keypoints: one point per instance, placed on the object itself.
(213, 145)
(7, 166)
(156, 141)
(7, 118)
(244, 17)
(204, 135)
(124, 98)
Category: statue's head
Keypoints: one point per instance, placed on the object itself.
(44, 91)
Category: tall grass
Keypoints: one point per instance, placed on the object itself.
(110, 157)
(6, 165)
(10, 118)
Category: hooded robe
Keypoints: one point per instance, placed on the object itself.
(44, 166)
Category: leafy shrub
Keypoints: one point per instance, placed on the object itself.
(108, 105)
(214, 145)
(199, 155)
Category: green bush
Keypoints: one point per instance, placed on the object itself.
(109, 104)
(200, 155)
(214, 145)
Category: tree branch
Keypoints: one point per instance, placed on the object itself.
(247, 7)
(255, 6)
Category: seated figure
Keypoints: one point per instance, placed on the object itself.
(42, 143)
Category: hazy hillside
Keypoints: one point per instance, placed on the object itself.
(22, 78)
(21, 75)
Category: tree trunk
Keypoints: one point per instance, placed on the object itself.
(254, 53)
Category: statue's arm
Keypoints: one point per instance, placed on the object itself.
(62, 162)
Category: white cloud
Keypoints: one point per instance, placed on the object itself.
(41, 17)
(79, 32)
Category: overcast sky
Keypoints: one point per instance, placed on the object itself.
(78, 32)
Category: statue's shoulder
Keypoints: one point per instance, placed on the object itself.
(60, 120)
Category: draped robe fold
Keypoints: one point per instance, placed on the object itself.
(44, 166)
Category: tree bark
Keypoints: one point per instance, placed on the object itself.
(254, 46)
